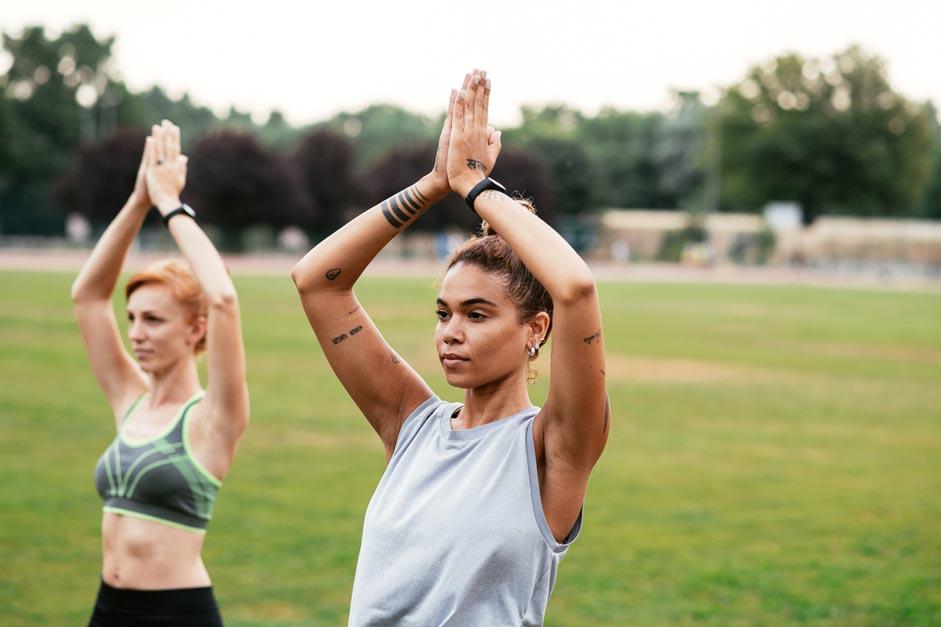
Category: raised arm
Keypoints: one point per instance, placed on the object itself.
(226, 403)
(383, 386)
(118, 374)
(574, 420)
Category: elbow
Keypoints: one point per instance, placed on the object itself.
(226, 300)
(304, 280)
(300, 280)
(303, 273)
(81, 295)
(75, 293)
(576, 290)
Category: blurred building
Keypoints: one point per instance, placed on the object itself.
(644, 232)
(838, 239)
(751, 238)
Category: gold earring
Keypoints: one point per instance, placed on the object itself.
(531, 376)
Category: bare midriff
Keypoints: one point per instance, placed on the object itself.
(144, 555)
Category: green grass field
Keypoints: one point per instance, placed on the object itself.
(775, 459)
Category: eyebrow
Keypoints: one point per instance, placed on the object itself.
(469, 302)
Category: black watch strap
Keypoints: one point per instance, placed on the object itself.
(184, 209)
(484, 185)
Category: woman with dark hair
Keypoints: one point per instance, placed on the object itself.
(480, 499)
(175, 442)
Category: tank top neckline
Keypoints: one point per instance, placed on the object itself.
(475, 433)
(137, 442)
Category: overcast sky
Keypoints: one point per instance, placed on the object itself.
(311, 60)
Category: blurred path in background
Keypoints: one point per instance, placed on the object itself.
(281, 264)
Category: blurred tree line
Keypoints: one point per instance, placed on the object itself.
(829, 133)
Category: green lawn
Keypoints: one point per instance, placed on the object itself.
(775, 459)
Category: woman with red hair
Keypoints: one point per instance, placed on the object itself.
(175, 442)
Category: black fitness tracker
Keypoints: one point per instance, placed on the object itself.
(484, 185)
(184, 209)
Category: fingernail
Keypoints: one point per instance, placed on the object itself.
(488, 83)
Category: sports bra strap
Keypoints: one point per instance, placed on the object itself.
(130, 410)
(184, 415)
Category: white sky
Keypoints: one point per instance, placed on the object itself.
(312, 60)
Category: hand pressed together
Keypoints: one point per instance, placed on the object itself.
(165, 167)
(474, 145)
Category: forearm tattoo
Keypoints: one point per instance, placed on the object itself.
(594, 337)
(345, 336)
(404, 206)
(332, 273)
(473, 164)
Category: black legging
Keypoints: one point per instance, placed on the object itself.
(182, 607)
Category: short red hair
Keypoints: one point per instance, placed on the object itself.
(182, 284)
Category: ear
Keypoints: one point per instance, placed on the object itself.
(538, 327)
(197, 330)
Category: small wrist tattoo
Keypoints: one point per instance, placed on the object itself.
(473, 164)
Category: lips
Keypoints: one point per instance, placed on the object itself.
(142, 352)
(450, 360)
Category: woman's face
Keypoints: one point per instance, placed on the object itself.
(479, 337)
(160, 329)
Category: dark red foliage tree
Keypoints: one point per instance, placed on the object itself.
(324, 161)
(234, 182)
(101, 177)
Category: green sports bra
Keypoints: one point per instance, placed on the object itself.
(158, 478)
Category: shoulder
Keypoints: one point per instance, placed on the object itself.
(427, 409)
(421, 417)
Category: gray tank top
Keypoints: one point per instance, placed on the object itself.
(455, 533)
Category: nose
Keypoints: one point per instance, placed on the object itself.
(452, 332)
(135, 331)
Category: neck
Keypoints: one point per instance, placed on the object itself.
(174, 385)
(493, 401)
